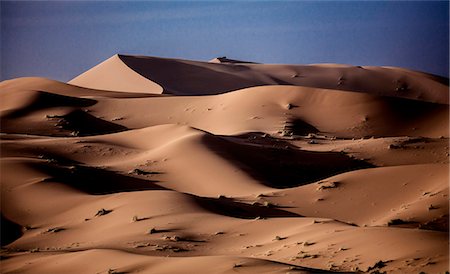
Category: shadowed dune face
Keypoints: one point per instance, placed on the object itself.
(183, 72)
(438, 224)
(255, 169)
(10, 231)
(299, 127)
(200, 78)
(288, 109)
(228, 207)
(283, 166)
(403, 110)
(115, 75)
(94, 181)
(71, 123)
(44, 100)
(84, 124)
(164, 265)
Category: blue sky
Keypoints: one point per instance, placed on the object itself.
(61, 39)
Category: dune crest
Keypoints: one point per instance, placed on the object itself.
(115, 75)
(220, 75)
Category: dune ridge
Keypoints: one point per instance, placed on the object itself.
(187, 77)
(113, 74)
(152, 165)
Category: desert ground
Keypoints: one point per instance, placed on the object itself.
(156, 165)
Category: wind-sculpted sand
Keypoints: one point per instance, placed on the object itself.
(153, 165)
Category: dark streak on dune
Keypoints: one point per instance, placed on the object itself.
(230, 207)
(299, 127)
(438, 224)
(94, 181)
(201, 78)
(224, 59)
(85, 124)
(402, 109)
(43, 100)
(74, 123)
(10, 231)
(174, 83)
(283, 167)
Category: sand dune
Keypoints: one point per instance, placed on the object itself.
(184, 77)
(261, 109)
(255, 169)
(113, 74)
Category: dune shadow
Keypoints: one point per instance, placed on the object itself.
(45, 100)
(231, 208)
(188, 78)
(438, 224)
(10, 231)
(75, 123)
(84, 124)
(299, 127)
(162, 230)
(401, 109)
(281, 166)
(93, 180)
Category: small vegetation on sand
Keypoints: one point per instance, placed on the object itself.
(102, 212)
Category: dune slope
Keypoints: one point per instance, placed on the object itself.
(185, 77)
(113, 74)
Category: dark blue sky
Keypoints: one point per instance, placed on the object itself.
(61, 39)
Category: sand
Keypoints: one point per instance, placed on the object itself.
(153, 165)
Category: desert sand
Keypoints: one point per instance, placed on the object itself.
(154, 165)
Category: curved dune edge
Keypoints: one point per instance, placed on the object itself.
(186, 77)
(258, 109)
(115, 75)
(124, 262)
